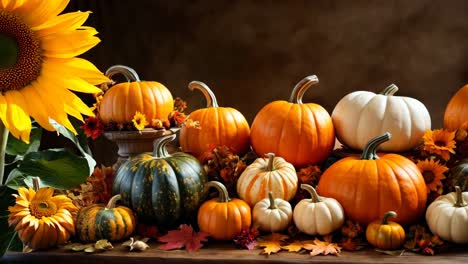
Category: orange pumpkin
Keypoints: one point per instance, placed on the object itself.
(456, 112)
(223, 218)
(300, 133)
(370, 186)
(220, 126)
(120, 103)
(385, 234)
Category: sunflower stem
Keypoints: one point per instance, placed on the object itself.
(3, 144)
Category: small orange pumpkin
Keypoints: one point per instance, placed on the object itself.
(120, 103)
(223, 218)
(300, 133)
(456, 112)
(220, 126)
(385, 234)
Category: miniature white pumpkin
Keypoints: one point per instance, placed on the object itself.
(447, 216)
(361, 115)
(272, 215)
(271, 174)
(318, 215)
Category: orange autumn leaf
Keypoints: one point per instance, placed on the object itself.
(296, 246)
(321, 247)
(271, 243)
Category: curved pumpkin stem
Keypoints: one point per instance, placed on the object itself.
(459, 202)
(129, 73)
(209, 95)
(36, 183)
(370, 151)
(387, 215)
(223, 193)
(272, 201)
(389, 90)
(271, 159)
(301, 87)
(313, 193)
(159, 146)
(113, 201)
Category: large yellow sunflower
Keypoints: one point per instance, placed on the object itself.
(41, 219)
(38, 64)
(433, 173)
(440, 142)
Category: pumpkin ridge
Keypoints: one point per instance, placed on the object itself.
(231, 113)
(388, 166)
(280, 139)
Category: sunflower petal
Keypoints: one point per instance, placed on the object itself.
(3, 116)
(10, 5)
(39, 113)
(24, 193)
(36, 12)
(69, 44)
(26, 233)
(44, 193)
(65, 22)
(18, 114)
(38, 239)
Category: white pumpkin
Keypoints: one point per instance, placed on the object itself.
(319, 215)
(272, 215)
(264, 175)
(360, 116)
(447, 216)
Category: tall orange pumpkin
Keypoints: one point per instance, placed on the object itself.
(120, 103)
(456, 112)
(369, 186)
(220, 126)
(300, 133)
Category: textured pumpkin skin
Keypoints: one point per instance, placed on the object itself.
(269, 219)
(456, 112)
(223, 220)
(96, 222)
(121, 102)
(459, 175)
(302, 134)
(367, 189)
(164, 191)
(362, 115)
(385, 236)
(220, 126)
(448, 221)
(256, 181)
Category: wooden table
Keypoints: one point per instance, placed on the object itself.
(226, 254)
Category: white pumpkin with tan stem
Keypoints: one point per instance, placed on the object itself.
(447, 216)
(267, 174)
(318, 215)
(360, 116)
(272, 215)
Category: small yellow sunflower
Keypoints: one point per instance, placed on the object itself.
(41, 219)
(440, 142)
(139, 121)
(433, 173)
(38, 67)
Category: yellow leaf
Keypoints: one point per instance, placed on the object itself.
(322, 247)
(271, 243)
(296, 246)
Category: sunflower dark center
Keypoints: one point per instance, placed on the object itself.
(428, 176)
(42, 208)
(20, 55)
(439, 143)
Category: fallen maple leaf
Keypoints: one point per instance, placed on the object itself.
(322, 247)
(186, 237)
(271, 243)
(296, 246)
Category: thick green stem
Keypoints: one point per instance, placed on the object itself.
(272, 201)
(159, 146)
(113, 201)
(312, 192)
(271, 159)
(209, 95)
(459, 202)
(387, 215)
(301, 87)
(370, 151)
(223, 193)
(3, 144)
(389, 90)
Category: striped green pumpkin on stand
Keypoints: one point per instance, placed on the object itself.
(162, 189)
(96, 221)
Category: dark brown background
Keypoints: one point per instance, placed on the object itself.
(254, 52)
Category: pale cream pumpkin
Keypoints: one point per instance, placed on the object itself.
(360, 116)
(272, 215)
(318, 215)
(267, 174)
(447, 216)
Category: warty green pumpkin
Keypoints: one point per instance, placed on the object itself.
(161, 188)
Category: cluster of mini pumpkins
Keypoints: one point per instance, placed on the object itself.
(166, 189)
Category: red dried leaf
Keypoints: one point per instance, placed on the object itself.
(186, 237)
